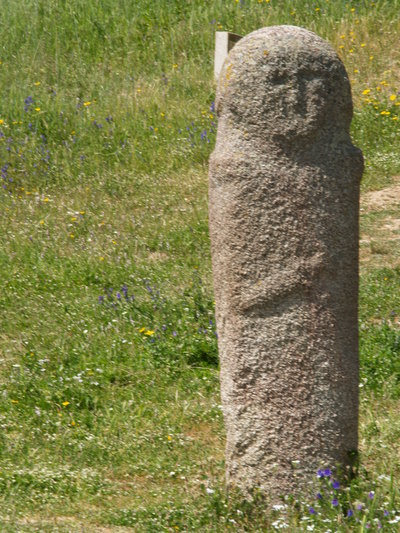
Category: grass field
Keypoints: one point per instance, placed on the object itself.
(109, 393)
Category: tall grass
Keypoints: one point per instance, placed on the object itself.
(109, 402)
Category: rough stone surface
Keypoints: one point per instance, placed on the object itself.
(284, 197)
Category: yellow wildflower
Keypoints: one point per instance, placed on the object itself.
(37, 109)
(366, 91)
(149, 332)
(65, 403)
(141, 330)
(87, 104)
(37, 83)
(392, 97)
(1, 121)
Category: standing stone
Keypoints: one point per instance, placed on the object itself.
(284, 195)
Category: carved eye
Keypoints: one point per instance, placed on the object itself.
(279, 79)
(317, 84)
(276, 77)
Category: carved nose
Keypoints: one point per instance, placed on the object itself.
(295, 99)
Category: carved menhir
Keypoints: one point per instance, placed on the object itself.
(284, 193)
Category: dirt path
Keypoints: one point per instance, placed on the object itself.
(380, 227)
(382, 199)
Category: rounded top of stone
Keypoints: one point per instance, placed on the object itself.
(293, 36)
(287, 81)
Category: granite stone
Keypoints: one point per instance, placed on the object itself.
(283, 216)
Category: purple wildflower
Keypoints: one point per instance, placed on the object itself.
(336, 485)
(28, 103)
(311, 510)
(335, 502)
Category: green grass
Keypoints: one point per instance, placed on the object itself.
(109, 404)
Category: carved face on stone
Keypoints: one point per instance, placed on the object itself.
(284, 86)
(297, 99)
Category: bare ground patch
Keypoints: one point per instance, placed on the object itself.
(382, 199)
(380, 227)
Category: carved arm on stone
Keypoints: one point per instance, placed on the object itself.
(281, 288)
